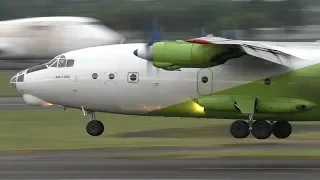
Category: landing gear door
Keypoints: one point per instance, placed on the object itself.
(205, 82)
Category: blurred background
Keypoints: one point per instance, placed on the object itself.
(24, 127)
(274, 20)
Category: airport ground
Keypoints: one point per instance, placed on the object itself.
(50, 143)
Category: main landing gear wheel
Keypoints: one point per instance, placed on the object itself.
(95, 128)
(239, 129)
(281, 129)
(261, 129)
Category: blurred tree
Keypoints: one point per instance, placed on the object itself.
(173, 15)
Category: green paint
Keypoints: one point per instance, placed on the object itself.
(179, 54)
(246, 104)
(276, 101)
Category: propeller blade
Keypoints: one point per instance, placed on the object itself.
(201, 30)
(154, 36)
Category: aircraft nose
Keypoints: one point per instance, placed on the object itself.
(17, 79)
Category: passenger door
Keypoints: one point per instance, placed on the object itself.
(204, 82)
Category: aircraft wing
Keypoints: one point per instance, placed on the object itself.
(264, 50)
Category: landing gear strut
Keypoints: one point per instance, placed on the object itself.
(94, 127)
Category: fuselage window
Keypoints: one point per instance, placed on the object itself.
(204, 79)
(62, 63)
(111, 76)
(70, 62)
(133, 77)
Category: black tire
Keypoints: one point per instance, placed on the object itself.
(261, 129)
(95, 128)
(282, 129)
(239, 129)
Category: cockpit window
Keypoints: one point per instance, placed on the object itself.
(37, 68)
(21, 78)
(70, 62)
(54, 64)
(62, 63)
(51, 62)
(14, 79)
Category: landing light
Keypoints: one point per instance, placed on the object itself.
(198, 108)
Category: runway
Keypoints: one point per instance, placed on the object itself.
(16, 103)
(87, 165)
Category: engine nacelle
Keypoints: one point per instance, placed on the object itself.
(181, 54)
(34, 101)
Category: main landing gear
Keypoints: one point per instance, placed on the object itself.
(260, 129)
(94, 127)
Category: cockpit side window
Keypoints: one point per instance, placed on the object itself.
(54, 64)
(62, 63)
(70, 63)
(51, 62)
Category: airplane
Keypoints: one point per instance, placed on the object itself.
(260, 85)
(41, 38)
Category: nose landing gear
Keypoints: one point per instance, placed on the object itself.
(94, 127)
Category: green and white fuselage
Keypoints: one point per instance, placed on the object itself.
(113, 79)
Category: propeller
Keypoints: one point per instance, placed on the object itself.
(146, 52)
(154, 37)
(201, 30)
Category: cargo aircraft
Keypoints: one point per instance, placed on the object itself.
(40, 38)
(262, 85)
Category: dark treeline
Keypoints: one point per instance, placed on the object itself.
(174, 15)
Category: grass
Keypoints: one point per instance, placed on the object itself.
(6, 90)
(55, 129)
(58, 129)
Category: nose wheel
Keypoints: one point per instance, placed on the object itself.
(94, 127)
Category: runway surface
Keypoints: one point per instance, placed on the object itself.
(15, 103)
(88, 165)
